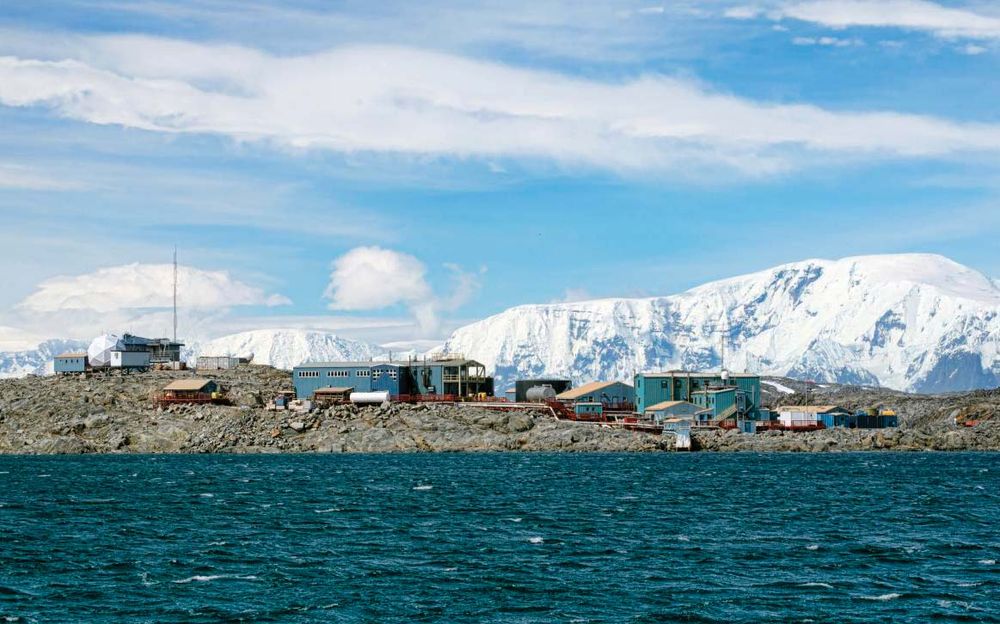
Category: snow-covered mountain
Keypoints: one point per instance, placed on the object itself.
(281, 348)
(286, 348)
(37, 361)
(916, 322)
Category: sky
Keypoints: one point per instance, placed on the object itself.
(390, 171)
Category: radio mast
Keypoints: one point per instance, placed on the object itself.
(175, 293)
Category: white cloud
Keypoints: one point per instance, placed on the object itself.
(143, 286)
(372, 278)
(972, 49)
(410, 102)
(743, 12)
(906, 14)
(26, 178)
(835, 42)
(369, 278)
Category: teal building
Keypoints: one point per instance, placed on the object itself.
(653, 388)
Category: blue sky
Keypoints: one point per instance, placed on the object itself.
(389, 170)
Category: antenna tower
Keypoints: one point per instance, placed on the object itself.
(175, 293)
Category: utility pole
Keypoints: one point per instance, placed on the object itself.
(175, 293)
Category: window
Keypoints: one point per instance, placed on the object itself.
(393, 374)
(338, 373)
(377, 374)
(363, 372)
(304, 374)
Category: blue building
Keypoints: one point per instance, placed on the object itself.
(874, 419)
(588, 409)
(613, 395)
(653, 388)
(449, 376)
(70, 363)
(362, 376)
(721, 403)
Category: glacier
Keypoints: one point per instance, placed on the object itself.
(915, 322)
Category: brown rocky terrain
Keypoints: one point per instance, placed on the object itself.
(115, 413)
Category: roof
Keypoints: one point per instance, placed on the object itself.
(585, 389)
(72, 355)
(188, 384)
(365, 364)
(334, 390)
(812, 409)
(455, 362)
(681, 373)
(668, 404)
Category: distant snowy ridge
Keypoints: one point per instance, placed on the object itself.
(281, 348)
(287, 348)
(36, 361)
(916, 322)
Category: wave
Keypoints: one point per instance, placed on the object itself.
(882, 598)
(423, 487)
(214, 577)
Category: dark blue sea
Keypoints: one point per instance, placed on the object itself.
(501, 538)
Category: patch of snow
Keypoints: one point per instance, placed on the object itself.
(779, 387)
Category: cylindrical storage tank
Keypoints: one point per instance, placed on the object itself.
(368, 398)
(540, 394)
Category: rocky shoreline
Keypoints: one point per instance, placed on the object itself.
(115, 414)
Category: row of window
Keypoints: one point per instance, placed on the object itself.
(393, 374)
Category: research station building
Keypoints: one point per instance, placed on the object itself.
(70, 363)
(447, 376)
(653, 388)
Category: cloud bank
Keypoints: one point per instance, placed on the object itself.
(144, 286)
(917, 15)
(378, 99)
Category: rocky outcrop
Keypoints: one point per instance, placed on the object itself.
(983, 437)
(115, 414)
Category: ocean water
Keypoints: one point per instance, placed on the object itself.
(501, 538)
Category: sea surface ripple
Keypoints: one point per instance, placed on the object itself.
(501, 538)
